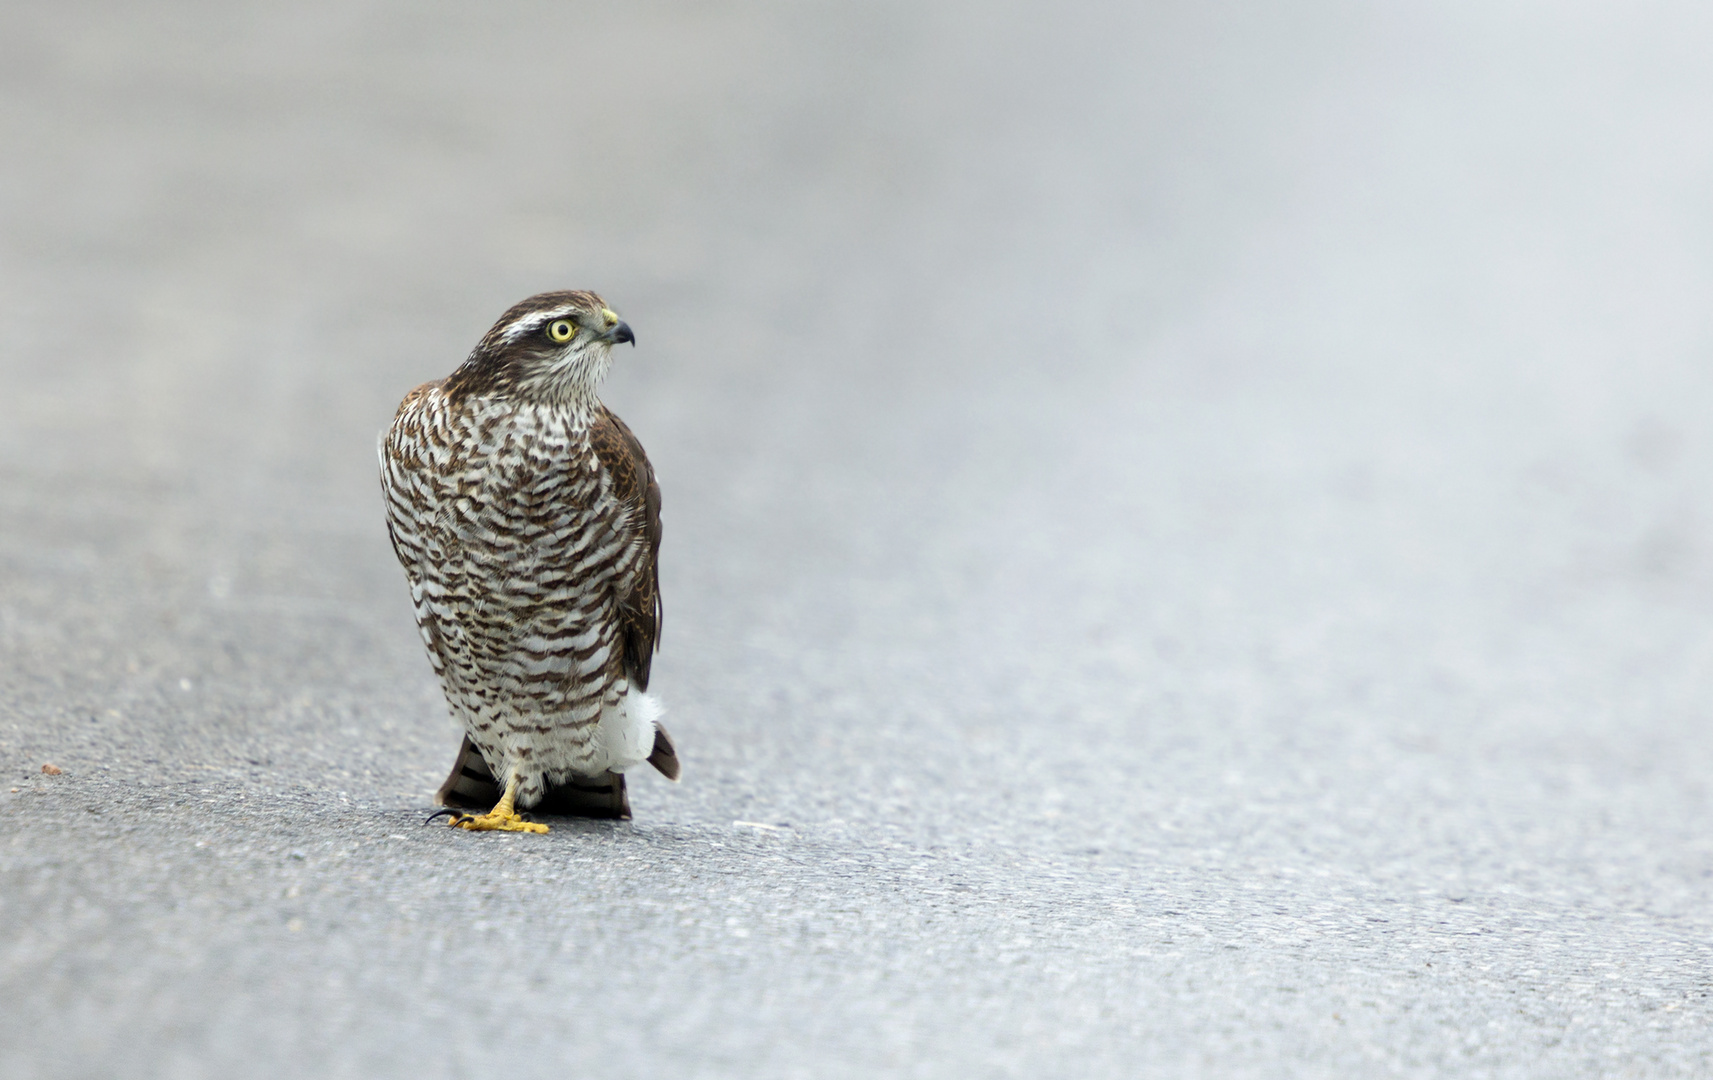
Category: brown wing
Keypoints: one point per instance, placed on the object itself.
(633, 483)
(411, 508)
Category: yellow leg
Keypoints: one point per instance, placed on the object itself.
(502, 818)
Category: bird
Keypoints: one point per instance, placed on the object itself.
(526, 516)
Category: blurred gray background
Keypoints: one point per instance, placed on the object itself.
(1187, 537)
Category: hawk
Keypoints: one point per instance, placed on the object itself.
(527, 518)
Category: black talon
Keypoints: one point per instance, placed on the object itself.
(442, 811)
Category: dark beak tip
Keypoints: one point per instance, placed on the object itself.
(622, 333)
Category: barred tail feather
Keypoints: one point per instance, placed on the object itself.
(664, 756)
(600, 796)
(471, 786)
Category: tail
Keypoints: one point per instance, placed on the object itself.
(664, 756)
(600, 796)
(471, 786)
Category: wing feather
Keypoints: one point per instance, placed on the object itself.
(410, 502)
(633, 483)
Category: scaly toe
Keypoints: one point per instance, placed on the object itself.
(497, 823)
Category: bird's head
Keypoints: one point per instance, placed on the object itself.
(555, 346)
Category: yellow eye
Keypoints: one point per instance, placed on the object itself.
(561, 330)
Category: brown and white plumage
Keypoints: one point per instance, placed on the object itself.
(527, 518)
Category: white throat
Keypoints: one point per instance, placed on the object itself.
(571, 381)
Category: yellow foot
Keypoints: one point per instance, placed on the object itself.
(496, 820)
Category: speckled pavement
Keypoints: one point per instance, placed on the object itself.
(1187, 539)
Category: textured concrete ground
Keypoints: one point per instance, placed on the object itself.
(1187, 538)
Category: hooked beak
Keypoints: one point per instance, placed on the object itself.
(617, 330)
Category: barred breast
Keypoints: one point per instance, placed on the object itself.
(520, 553)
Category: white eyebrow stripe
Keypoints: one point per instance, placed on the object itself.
(535, 320)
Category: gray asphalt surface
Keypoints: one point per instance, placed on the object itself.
(1187, 538)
